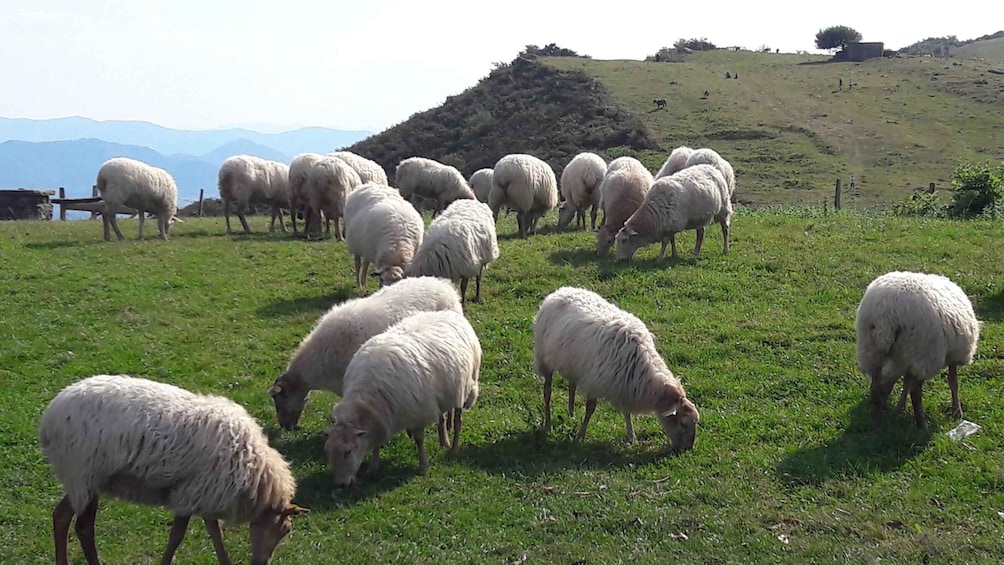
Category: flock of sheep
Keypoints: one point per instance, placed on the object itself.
(406, 357)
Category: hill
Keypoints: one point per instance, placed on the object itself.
(788, 130)
(169, 141)
(991, 50)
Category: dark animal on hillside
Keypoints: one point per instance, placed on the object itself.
(660, 103)
(706, 95)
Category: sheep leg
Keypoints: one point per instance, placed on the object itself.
(107, 226)
(244, 222)
(85, 532)
(571, 399)
(477, 285)
(672, 243)
(592, 217)
(590, 408)
(902, 395)
(359, 266)
(115, 225)
(327, 225)
(213, 527)
(374, 459)
(662, 250)
(725, 237)
(226, 214)
(178, 528)
(282, 221)
(548, 377)
(163, 224)
(338, 231)
(700, 242)
(630, 428)
(458, 422)
(142, 220)
(444, 441)
(521, 227)
(62, 515)
(423, 461)
(953, 385)
(916, 395)
(463, 290)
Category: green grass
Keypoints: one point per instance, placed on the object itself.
(786, 467)
(790, 133)
(991, 50)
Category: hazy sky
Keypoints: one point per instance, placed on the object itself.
(372, 63)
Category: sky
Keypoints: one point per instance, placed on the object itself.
(369, 64)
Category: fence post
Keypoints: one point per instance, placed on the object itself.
(930, 188)
(62, 205)
(202, 193)
(836, 196)
(94, 194)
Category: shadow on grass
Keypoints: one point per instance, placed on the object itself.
(305, 304)
(860, 450)
(991, 308)
(50, 245)
(534, 453)
(610, 266)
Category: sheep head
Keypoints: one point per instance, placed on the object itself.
(268, 530)
(629, 240)
(289, 397)
(680, 421)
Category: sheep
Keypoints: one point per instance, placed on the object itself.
(605, 352)
(687, 200)
(249, 180)
(526, 184)
(459, 244)
(660, 103)
(623, 190)
(156, 444)
(418, 372)
(369, 171)
(580, 189)
(299, 171)
(431, 180)
(124, 182)
(386, 233)
(481, 183)
(677, 161)
(320, 360)
(913, 325)
(711, 157)
(328, 184)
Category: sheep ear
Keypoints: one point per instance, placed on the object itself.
(360, 433)
(293, 511)
(632, 233)
(275, 390)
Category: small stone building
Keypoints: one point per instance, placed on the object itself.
(25, 204)
(860, 51)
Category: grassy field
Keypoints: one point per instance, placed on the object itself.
(790, 132)
(786, 468)
(991, 50)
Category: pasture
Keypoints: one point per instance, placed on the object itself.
(786, 467)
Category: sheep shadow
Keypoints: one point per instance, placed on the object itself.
(533, 453)
(53, 245)
(991, 308)
(305, 304)
(859, 450)
(609, 266)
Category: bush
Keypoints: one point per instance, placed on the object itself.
(701, 44)
(977, 189)
(926, 204)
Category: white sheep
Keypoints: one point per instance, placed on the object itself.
(249, 180)
(580, 189)
(481, 183)
(912, 325)
(369, 171)
(407, 378)
(605, 352)
(386, 233)
(458, 245)
(320, 360)
(431, 180)
(156, 444)
(705, 156)
(527, 185)
(299, 171)
(623, 188)
(677, 161)
(690, 199)
(328, 184)
(124, 182)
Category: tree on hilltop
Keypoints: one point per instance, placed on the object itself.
(836, 37)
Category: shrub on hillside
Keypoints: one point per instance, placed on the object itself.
(695, 44)
(925, 204)
(977, 189)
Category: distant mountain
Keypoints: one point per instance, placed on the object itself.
(245, 147)
(74, 166)
(169, 141)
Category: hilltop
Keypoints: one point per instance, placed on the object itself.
(789, 131)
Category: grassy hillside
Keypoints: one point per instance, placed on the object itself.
(786, 468)
(790, 133)
(991, 50)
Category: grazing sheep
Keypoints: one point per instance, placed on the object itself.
(580, 189)
(320, 360)
(407, 378)
(660, 103)
(913, 325)
(156, 444)
(127, 182)
(458, 245)
(387, 232)
(525, 184)
(687, 200)
(711, 157)
(299, 171)
(249, 180)
(623, 190)
(481, 183)
(431, 180)
(369, 171)
(328, 184)
(677, 161)
(605, 352)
